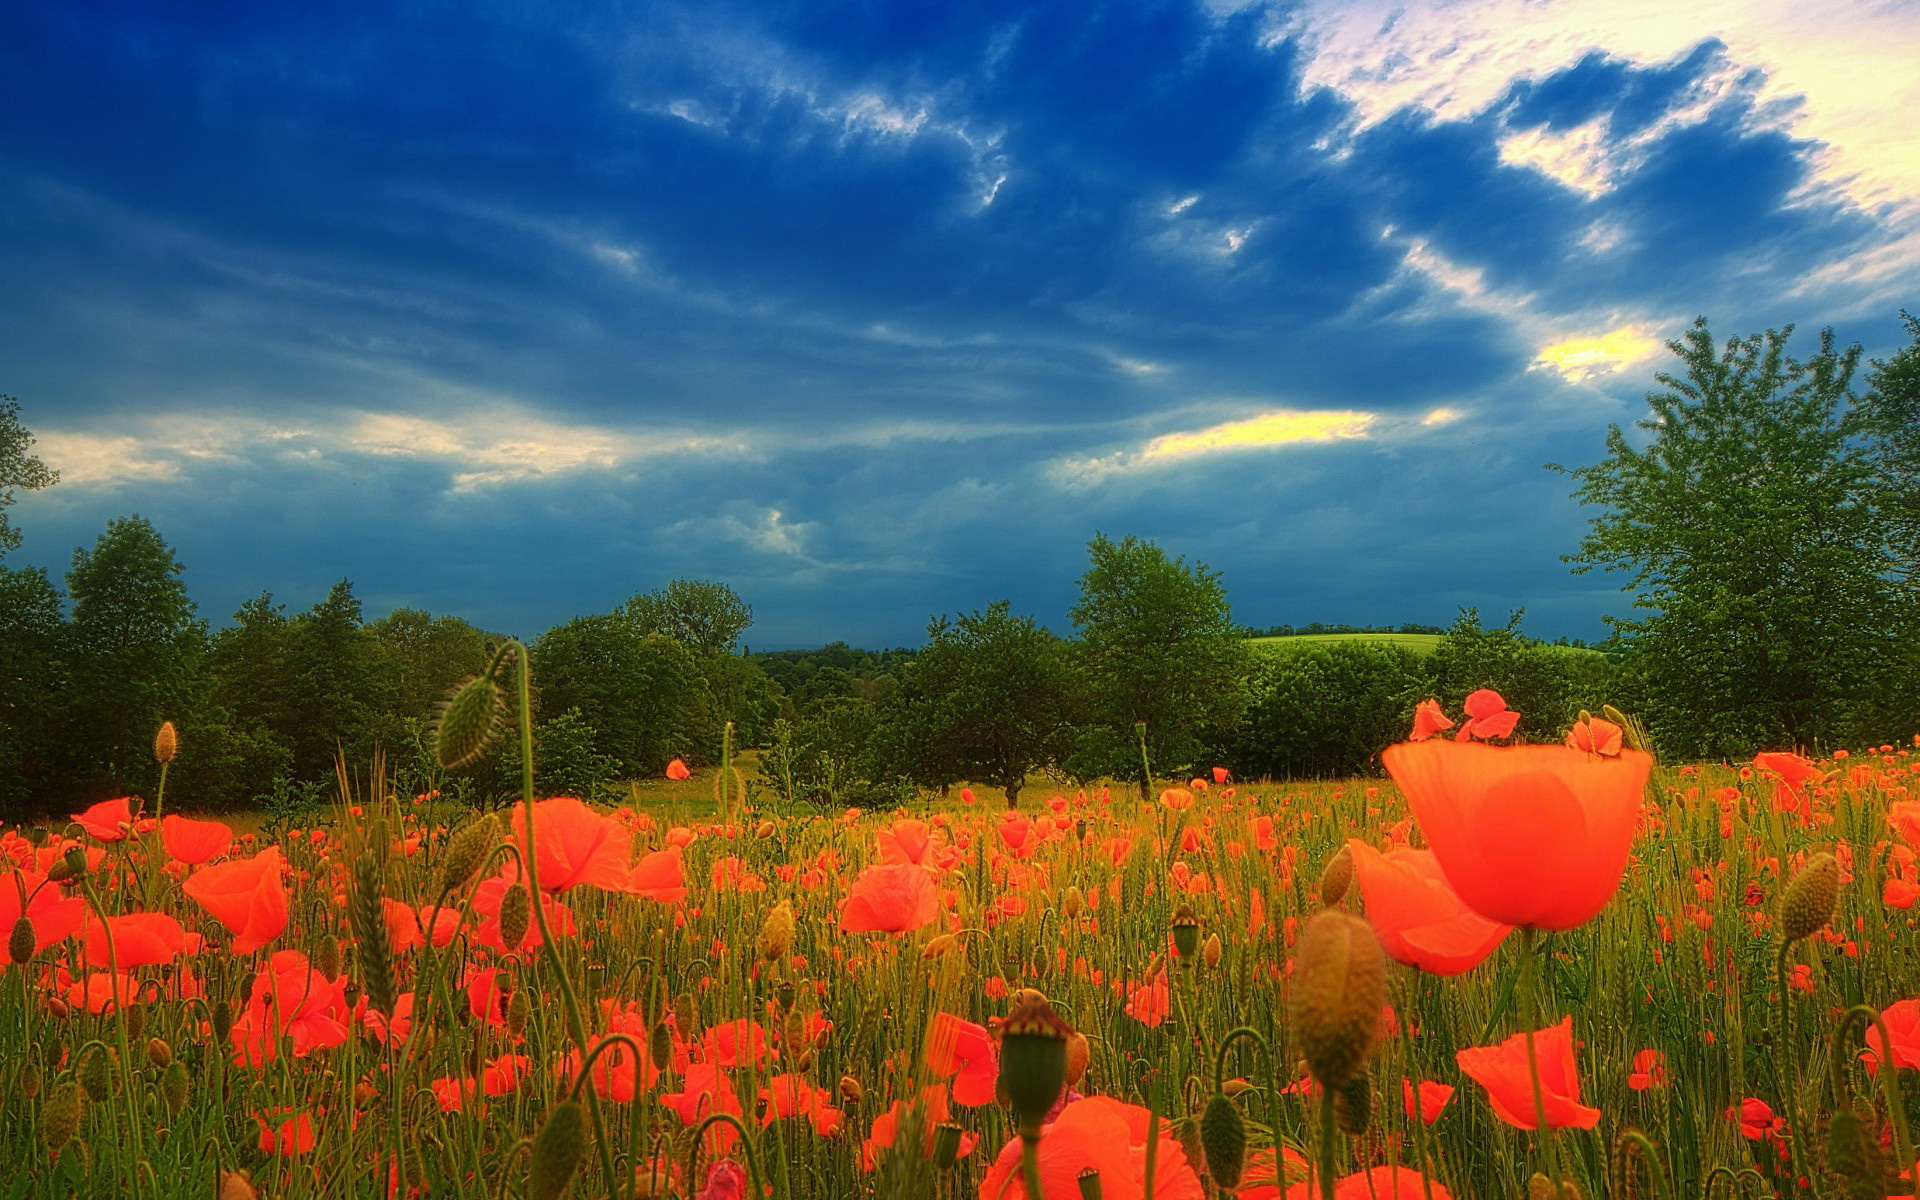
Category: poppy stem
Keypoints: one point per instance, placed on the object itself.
(1530, 981)
(1785, 1063)
(1030, 1167)
(1325, 1164)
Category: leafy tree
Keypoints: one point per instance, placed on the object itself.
(18, 469)
(1547, 685)
(429, 657)
(135, 649)
(1750, 525)
(1159, 647)
(644, 691)
(708, 617)
(989, 698)
(32, 672)
(1890, 416)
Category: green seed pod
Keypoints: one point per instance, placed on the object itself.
(1223, 1139)
(516, 913)
(95, 1073)
(784, 994)
(946, 1145)
(1336, 877)
(61, 1115)
(466, 723)
(660, 1044)
(519, 1011)
(1339, 989)
(173, 1086)
(326, 956)
(222, 1022)
(1353, 1106)
(22, 941)
(1089, 1182)
(467, 851)
(1808, 903)
(557, 1151)
(1033, 1060)
(29, 1079)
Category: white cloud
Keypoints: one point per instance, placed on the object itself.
(1584, 356)
(1265, 431)
(91, 460)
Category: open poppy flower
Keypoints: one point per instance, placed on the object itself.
(245, 895)
(1421, 920)
(703, 1090)
(961, 1051)
(293, 1136)
(618, 1073)
(1649, 1071)
(1903, 1029)
(1502, 1070)
(1527, 835)
(1426, 1104)
(55, 915)
(892, 899)
(290, 1000)
(792, 1096)
(575, 845)
(677, 770)
(659, 877)
(139, 939)
(908, 841)
(194, 842)
(107, 821)
(1103, 1135)
(1393, 1182)
(1487, 717)
(934, 1109)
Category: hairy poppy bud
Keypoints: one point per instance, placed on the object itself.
(1808, 903)
(1336, 877)
(1353, 1106)
(1033, 1060)
(764, 830)
(1078, 1054)
(1211, 952)
(173, 1086)
(851, 1090)
(326, 956)
(519, 1011)
(1223, 1139)
(234, 1185)
(166, 743)
(686, 1014)
(660, 1044)
(27, 1082)
(159, 1053)
(1339, 988)
(776, 933)
(95, 1074)
(22, 941)
(557, 1151)
(466, 723)
(467, 850)
(516, 913)
(1072, 904)
(222, 1021)
(60, 1117)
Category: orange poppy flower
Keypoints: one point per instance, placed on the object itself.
(107, 821)
(1487, 717)
(703, 1090)
(245, 895)
(575, 845)
(892, 899)
(1428, 1102)
(1428, 719)
(1527, 835)
(1103, 1135)
(618, 1074)
(140, 939)
(1903, 1027)
(1649, 1071)
(56, 916)
(659, 877)
(886, 1127)
(677, 770)
(1421, 921)
(1381, 1183)
(290, 1137)
(961, 1051)
(194, 842)
(908, 841)
(290, 1000)
(1502, 1070)
(792, 1096)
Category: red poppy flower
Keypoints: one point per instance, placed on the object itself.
(908, 841)
(1420, 919)
(246, 896)
(892, 899)
(1428, 719)
(704, 1090)
(618, 1074)
(139, 940)
(1502, 1070)
(1903, 1028)
(290, 1000)
(658, 877)
(961, 1051)
(290, 1137)
(1103, 1135)
(575, 845)
(677, 770)
(55, 914)
(792, 1096)
(194, 842)
(1649, 1071)
(1427, 1105)
(1149, 1003)
(1756, 1119)
(886, 1127)
(1487, 717)
(1381, 1183)
(1527, 835)
(107, 821)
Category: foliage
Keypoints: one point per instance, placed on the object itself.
(645, 691)
(706, 617)
(1750, 526)
(1548, 686)
(990, 698)
(1889, 414)
(32, 672)
(1325, 711)
(838, 756)
(565, 761)
(18, 468)
(429, 656)
(1159, 647)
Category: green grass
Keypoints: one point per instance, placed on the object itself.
(1419, 643)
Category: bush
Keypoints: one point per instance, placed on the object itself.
(1324, 712)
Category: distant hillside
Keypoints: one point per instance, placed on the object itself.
(1419, 643)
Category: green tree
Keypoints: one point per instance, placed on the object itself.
(708, 617)
(135, 649)
(643, 693)
(1547, 685)
(1890, 416)
(1159, 647)
(18, 469)
(989, 699)
(1325, 711)
(32, 674)
(429, 656)
(1750, 526)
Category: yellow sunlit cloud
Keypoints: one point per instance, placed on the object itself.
(1441, 416)
(1579, 358)
(1268, 429)
(1575, 159)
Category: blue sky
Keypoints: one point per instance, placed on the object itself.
(876, 311)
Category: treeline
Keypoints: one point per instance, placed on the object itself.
(1319, 628)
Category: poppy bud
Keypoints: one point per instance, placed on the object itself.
(946, 1145)
(173, 1086)
(94, 1073)
(764, 830)
(1089, 1181)
(22, 941)
(519, 1010)
(850, 1090)
(1541, 1188)
(1033, 1060)
(660, 1044)
(1223, 1139)
(1808, 903)
(159, 1053)
(516, 913)
(1353, 1106)
(222, 1021)
(136, 1018)
(166, 743)
(557, 1150)
(1186, 934)
(1078, 1053)
(60, 1117)
(234, 1185)
(467, 850)
(326, 956)
(70, 869)
(686, 1014)
(1072, 904)
(27, 1083)
(1853, 1153)
(1211, 952)
(1336, 877)
(776, 933)
(1234, 1087)
(1339, 988)
(937, 946)
(466, 723)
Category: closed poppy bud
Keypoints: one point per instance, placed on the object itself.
(686, 1014)
(1223, 1139)
(776, 933)
(173, 1086)
(660, 1043)
(326, 956)
(1541, 1188)
(166, 743)
(27, 1082)
(60, 1117)
(94, 1073)
(467, 851)
(516, 913)
(1807, 905)
(466, 723)
(764, 830)
(519, 1011)
(1211, 952)
(1339, 988)
(557, 1150)
(946, 1145)
(236, 1186)
(850, 1090)
(136, 1019)
(1078, 1055)
(1033, 1060)
(159, 1053)
(677, 770)
(1336, 877)
(22, 940)
(222, 1021)
(1072, 904)
(945, 943)
(1186, 934)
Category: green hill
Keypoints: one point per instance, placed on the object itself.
(1419, 643)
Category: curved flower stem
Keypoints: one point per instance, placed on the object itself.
(1650, 1155)
(1889, 1076)
(1530, 981)
(1785, 1061)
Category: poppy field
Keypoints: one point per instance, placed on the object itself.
(1699, 979)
